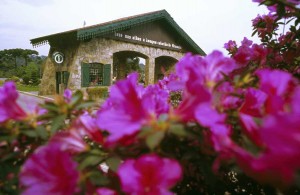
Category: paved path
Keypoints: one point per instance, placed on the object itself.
(28, 100)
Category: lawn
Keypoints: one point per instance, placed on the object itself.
(22, 87)
(27, 88)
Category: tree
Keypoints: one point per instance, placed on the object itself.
(26, 53)
(13, 54)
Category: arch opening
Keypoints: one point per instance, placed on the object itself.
(164, 65)
(125, 62)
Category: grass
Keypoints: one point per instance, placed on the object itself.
(27, 88)
(22, 87)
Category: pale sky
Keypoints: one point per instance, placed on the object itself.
(210, 23)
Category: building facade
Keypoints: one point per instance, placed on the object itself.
(98, 55)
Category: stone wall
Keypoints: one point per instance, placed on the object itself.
(101, 50)
(47, 85)
(97, 50)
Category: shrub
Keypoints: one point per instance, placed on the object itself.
(13, 78)
(96, 93)
(26, 79)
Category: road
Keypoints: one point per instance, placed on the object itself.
(29, 101)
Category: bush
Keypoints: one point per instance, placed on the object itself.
(96, 93)
(13, 78)
(26, 79)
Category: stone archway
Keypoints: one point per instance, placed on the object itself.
(125, 62)
(163, 66)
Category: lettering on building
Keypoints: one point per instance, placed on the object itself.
(147, 40)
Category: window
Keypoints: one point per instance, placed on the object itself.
(95, 74)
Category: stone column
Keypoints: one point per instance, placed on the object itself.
(110, 61)
(48, 83)
(149, 70)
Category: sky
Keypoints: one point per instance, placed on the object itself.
(210, 23)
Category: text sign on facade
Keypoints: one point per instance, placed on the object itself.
(146, 40)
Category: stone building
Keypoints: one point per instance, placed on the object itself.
(97, 55)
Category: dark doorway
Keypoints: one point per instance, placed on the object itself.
(62, 78)
(164, 65)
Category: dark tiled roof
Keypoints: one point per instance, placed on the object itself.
(117, 25)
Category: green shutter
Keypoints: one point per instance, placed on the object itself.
(85, 75)
(106, 74)
(66, 75)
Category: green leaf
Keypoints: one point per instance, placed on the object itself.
(268, 2)
(50, 106)
(254, 32)
(280, 10)
(146, 130)
(48, 115)
(90, 161)
(86, 105)
(113, 163)
(98, 179)
(154, 139)
(97, 152)
(57, 123)
(76, 98)
(9, 156)
(42, 132)
(30, 133)
(178, 129)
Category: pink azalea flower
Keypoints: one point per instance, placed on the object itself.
(273, 8)
(154, 100)
(279, 162)
(230, 46)
(265, 25)
(170, 83)
(9, 109)
(208, 70)
(250, 52)
(295, 105)
(70, 141)
(244, 53)
(87, 126)
(228, 100)
(219, 131)
(191, 98)
(278, 85)
(254, 102)
(199, 76)
(105, 191)
(68, 95)
(49, 170)
(149, 174)
(208, 116)
(277, 94)
(129, 107)
(259, 54)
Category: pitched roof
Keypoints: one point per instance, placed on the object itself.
(117, 25)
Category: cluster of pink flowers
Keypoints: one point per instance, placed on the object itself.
(269, 115)
(247, 52)
(8, 103)
(266, 25)
(129, 107)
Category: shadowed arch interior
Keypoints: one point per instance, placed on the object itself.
(163, 66)
(125, 62)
